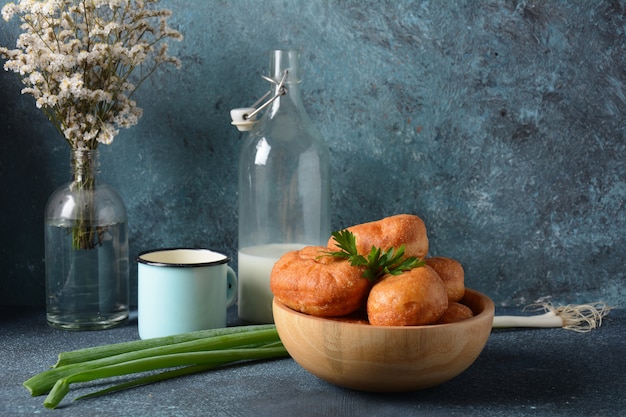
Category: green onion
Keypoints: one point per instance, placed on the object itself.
(148, 379)
(579, 318)
(187, 353)
(97, 352)
(43, 382)
(216, 357)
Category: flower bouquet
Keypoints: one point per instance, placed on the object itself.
(82, 61)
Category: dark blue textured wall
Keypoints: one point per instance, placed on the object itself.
(500, 123)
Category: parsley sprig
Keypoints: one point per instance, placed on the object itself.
(378, 262)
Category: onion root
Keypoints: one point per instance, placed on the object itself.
(580, 318)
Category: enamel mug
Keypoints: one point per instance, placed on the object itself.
(182, 290)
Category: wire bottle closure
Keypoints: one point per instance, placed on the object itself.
(245, 118)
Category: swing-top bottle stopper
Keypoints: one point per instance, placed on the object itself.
(244, 118)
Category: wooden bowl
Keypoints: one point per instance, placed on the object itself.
(385, 358)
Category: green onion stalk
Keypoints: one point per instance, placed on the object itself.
(175, 356)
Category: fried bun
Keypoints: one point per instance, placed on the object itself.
(391, 232)
(312, 282)
(414, 297)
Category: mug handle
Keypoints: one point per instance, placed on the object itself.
(231, 286)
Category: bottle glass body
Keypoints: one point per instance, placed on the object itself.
(86, 249)
(284, 189)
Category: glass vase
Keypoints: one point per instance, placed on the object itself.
(284, 188)
(86, 251)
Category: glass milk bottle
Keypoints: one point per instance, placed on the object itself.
(284, 188)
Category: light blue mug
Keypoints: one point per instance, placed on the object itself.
(182, 290)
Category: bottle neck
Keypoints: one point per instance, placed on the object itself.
(282, 61)
(85, 165)
(289, 97)
(285, 64)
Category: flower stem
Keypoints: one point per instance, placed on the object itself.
(85, 166)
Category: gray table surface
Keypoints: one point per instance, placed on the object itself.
(540, 372)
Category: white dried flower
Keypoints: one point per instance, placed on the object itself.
(76, 58)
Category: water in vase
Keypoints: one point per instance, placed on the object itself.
(87, 288)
